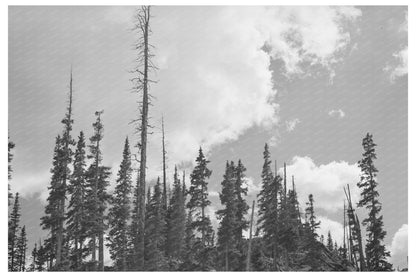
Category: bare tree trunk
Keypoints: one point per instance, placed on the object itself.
(165, 200)
(250, 238)
(101, 249)
(143, 19)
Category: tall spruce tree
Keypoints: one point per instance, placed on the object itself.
(21, 249)
(268, 214)
(375, 250)
(77, 210)
(176, 223)
(197, 204)
(97, 197)
(155, 259)
(10, 146)
(54, 219)
(228, 220)
(119, 213)
(233, 222)
(13, 234)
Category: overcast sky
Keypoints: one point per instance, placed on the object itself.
(309, 81)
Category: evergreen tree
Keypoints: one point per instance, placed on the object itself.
(54, 219)
(233, 222)
(309, 244)
(375, 250)
(21, 248)
(197, 205)
(13, 234)
(242, 206)
(119, 213)
(77, 214)
(41, 258)
(10, 157)
(154, 232)
(310, 216)
(268, 215)
(34, 257)
(97, 178)
(228, 220)
(176, 222)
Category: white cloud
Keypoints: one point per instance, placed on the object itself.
(399, 66)
(337, 113)
(215, 80)
(324, 181)
(399, 247)
(291, 124)
(29, 184)
(336, 228)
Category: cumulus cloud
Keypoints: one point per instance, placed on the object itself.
(336, 228)
(399, 66)
(337, 113)
(214, 75)
(324, 181)
(291, 124)
(399, 247)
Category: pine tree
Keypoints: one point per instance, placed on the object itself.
(268, 208)
(77, 214)
(13, 234)
(228, 223)
(42, 258)
(176, 222)
(309, 244)
(34, 257)
(242, 206)
(197, 205)
(54, 219)
(375, 250)
(21, 249)
(119, 213)
(10, 157)
(154, 232)
(97, 196)
(233, 222)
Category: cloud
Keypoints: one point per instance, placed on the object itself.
(291, 124)
(214, 77)
(399, 247)
(29, 184)
(336, 228)
(399, 67)
(337, 113)
(324, 181)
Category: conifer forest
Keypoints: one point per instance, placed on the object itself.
(101, 216)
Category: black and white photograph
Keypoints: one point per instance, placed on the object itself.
(207, 138)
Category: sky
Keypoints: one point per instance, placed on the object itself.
(309, 81)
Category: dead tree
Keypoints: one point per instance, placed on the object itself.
(356, 249)
(165, 199)
(141, 85)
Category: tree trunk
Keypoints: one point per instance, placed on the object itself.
(249, 240)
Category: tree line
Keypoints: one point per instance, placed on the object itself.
(160, 229)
